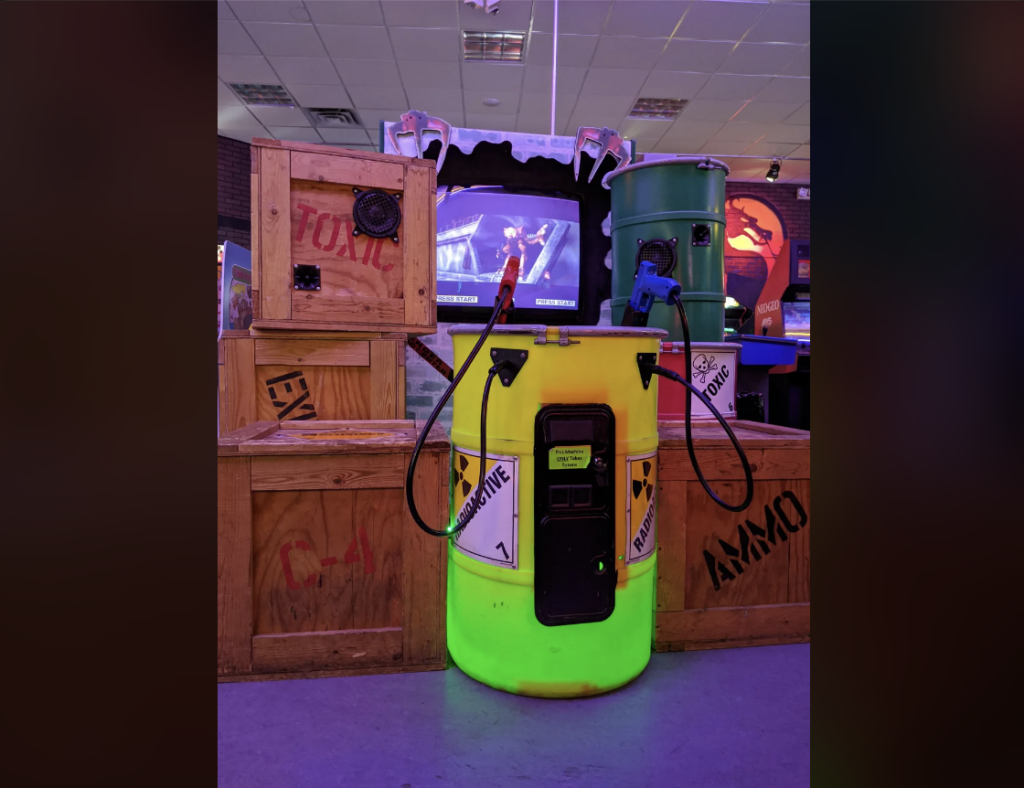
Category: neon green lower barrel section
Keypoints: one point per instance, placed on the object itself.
(494, 634)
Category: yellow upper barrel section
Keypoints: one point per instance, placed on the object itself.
(564, 365)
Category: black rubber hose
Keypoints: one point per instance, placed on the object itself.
(410, 473)
(690, 391)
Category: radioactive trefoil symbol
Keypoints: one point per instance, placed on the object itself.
(639, 487)
(466, 486)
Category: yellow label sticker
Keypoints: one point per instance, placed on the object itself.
(563, 457)
(335, 435)
(641, 478)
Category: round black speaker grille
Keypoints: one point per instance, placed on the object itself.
(659, 252)
(377, 214)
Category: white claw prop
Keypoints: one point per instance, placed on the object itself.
(490, 6)
(610, 142)
(415, 122)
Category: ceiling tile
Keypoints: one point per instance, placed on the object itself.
(320, 96)
(233, 40)
(270, 11)
(804, 152)
(581, 17)
(371, 118)
(540, 104)
(279, 116)
(435, 101)
(226, 97)
(492, 122)
(704, 56)
(351, 12)
(572, 50)
(286, 40)
(641, 129)
(713, 21)
(537, 79)
(514, 16)
(371, 73)
(533, 124)
(420, 43)
(223, 11)
(614, 81)
(243, 135)
(295, 134)
(766, 112)
(799, 66)
(422, 13)
(772, 149)
(802, 117)
(787, 89)
(788, 23)
(345, 136)
(366, 97)
(673, 84)
(492, 76)
(737, 131)
(759, 58)
(729, 87)
(605, 106)
(705, 109)
(785, 133)
(245, 68)
(237, 117)
(430, 74)
(579, 119)
(692, 129)
(720, 148)
(681, 145)
(305, 70)
(351, 41)
(475, 102)
(616, 52)
(658, 18)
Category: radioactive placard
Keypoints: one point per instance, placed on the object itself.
(492, 536)
(641, 480)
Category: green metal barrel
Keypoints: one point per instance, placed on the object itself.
(672, 212)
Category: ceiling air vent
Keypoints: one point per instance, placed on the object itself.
(504, 47)
(263, 95)
(324, 118)
(657, 109)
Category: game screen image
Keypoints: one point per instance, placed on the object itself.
(480, 227)
(796, 319)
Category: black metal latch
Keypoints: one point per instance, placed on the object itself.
(646, 362)
(511, 362)
(307, 277)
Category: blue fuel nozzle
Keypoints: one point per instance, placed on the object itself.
(649, 288)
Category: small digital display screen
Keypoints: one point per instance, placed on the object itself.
(480, 227)
(796, 319)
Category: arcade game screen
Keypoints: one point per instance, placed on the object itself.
(796, 319)
(480, 227)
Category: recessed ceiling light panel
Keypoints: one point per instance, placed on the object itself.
(503, 47)
(657, 109)
(324, 118)
(263, 95)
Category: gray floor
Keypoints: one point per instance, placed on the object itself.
(708, 719)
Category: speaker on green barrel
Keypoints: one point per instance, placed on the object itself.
(671, 212)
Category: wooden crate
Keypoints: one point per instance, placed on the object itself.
(728, 579)
(302, 202)
(310, 376)
(321, 570)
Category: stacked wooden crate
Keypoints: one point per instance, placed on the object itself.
(333, 306)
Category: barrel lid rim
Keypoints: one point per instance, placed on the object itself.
(706, 345)
(573, 331)
(678, 160)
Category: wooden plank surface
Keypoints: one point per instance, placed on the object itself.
(800, 550)
(238, 393)
(331, 166)
(234, 578)
(328, 150)
(318, 353)
(326, 650)
(672, 435)
(384, 380)
(373, 471)
(348, 440)
(228, 444)
(348, 308)
(346, 326)
(671, 530)
(426, 562)
(419, 248)
(331, 674)
(377, 599)
(734, 624)
(335, 393)
(356, 424)
(317, 336)
(275, 235)
(719, 463)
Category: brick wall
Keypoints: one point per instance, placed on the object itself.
(795, 213)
